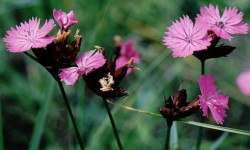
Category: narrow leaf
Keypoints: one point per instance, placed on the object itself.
(215, 127)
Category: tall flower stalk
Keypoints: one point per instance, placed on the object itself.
(201, 39)
(53, 53)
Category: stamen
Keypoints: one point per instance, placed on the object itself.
(106, 83)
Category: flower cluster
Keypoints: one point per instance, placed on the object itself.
(184, 38)
(102, 77)
(54, 53)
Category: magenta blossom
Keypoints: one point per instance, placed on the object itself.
(64, 20)
(28, 35)
(243, 82)
(231, 21)
(126, 52)
(210, 98)
(184, 37)
(86, 63)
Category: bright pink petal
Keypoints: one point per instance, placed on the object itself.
(231, 21)
(90, 61)
(183, 38)
(69, 75)
(28, 35)
(64, 20)
(126, 53)
(210, 98)
(243, 82)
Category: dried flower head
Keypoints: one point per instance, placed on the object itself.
(28, 35)
(184, 37)
(64, 20)
(243, 82)
(177, 107)
(231, 21)
(210, 98)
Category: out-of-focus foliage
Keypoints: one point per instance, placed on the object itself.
(24, 83)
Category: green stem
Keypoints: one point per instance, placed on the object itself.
(113, 124)
(200, 130)
(71, 114)
(31, 56)
(168, 135)
(202, 67)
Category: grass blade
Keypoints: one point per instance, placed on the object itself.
(41, 117)
(215, 127)
(219, 141)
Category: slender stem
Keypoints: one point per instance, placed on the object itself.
(71, 114)
(202, 67)
(30, 56)
(113, 124)
(200, 130)
(168, 135)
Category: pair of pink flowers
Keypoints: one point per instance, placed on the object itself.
(28, 35)
(185, 37)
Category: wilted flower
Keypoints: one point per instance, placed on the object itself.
(210, 98)
(125, 52)
(64, 20)
(243, 82)
(28, 35)
(231, 21)
(177, 107)
(86, 63)
(183, 38)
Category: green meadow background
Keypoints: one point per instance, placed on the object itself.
(32, 111)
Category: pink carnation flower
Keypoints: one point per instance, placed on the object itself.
(210, 98)
(231, 21)
(183, 38)
(127, 51)
(86, 63)
(243, 82)
(28, 35)
(64, 20)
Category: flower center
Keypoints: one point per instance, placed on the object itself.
(188, 39)
(220, 24)
(106, 83)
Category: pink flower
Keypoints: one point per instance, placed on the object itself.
(231, 21)
(64, 20)
(210, 98)
(243, 82)
(86, 63)
(126, 52)
(183, 38)
(28, 35)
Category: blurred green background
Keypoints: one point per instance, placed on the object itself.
(30, 100)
